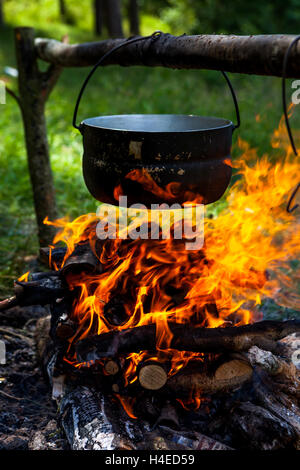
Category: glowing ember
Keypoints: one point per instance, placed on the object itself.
(246, 256)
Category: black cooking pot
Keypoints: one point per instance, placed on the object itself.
(156, 158)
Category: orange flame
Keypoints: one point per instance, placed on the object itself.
(24, 277)
(246, 256)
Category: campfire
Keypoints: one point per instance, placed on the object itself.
(151, 333)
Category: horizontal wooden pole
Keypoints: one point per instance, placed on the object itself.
(260, 55)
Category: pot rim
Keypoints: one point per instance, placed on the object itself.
(212, 123)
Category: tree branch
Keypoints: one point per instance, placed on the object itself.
(49, 79)
(14, 95)
(260, 55)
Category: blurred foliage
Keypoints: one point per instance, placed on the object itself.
(230, 17)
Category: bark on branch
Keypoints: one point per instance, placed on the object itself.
(260, 55)
(262, 334)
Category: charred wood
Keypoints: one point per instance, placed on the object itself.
(57, 255)
(263, 334)
(256, 428)
(42, 290)
(81, 260)
(93, 421)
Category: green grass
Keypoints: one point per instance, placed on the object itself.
(113, 90)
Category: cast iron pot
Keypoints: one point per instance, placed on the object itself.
(156, 158)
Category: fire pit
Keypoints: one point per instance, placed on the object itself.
(156, 346)
(153, 345)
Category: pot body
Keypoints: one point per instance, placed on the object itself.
(157, 158)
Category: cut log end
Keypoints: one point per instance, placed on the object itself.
(111, 367)
(234, 369)
(152, 377)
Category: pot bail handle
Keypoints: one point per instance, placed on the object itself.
(289, 207)
(235, 101)
(153, 37)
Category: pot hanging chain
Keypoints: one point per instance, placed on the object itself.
(286, 117)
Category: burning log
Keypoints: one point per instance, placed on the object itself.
(228, 376)
(263, 334)
(152, 376)
(82, 259)
(111, 367)
(65, 329)
(57, 255)
(44, 289)
(93, 421)
(114, 311)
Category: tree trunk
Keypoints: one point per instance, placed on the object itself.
(98, 16)
(114, 18)
(1, 14)
(34, 88)
(133, 17)
(62, 8)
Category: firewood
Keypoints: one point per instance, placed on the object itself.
(263, 334)
(43, 342)
(280, 405)
(228, 376)
(93, 421)
(168, 416)
(272, 364)
(41, 291)
(81, 260)
(255, 428)
(111, 367)
(192, 440)
(65, 329)
(57, 255)
(152, 376)
(8, 303)
(114, 311)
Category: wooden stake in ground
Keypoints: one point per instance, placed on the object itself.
(34, 88)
